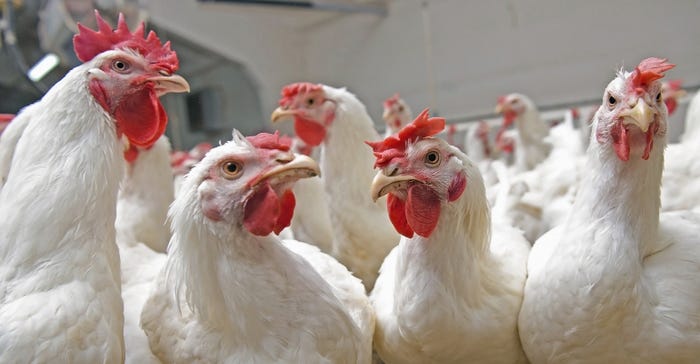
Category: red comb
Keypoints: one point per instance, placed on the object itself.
(502, 100)
(89, 43)
(648, 70)
(292, 90)
(391, 101)
(675, 85)
(270, 141)
(395, 145)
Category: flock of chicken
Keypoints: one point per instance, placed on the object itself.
(562, 257)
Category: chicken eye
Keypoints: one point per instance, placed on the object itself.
(310, 102)
(658, 97)
(120, 65)
(231, 169)
(611, 100)
(432, 158)
(400, 108)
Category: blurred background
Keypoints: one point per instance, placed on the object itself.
(455, 56)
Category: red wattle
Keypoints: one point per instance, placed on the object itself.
(262, 211)
(131, 154)
(311, 132)
(287, 204)
(397, 214)
(621, 143)
(422, 209)
(650, 140)
(141, 117)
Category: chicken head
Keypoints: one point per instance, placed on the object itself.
(312, 111)
(248, 182)
(396, 113)
(419, 173)
(128, 76)
(633, 113)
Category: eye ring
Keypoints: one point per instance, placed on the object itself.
(121, 65)
(432, 158)
(231, 169)
(611, 101)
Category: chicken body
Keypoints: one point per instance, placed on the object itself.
(617, 282)
(680, 185)
(338, 121)
(233, 292)
(450, 295)
(62, 163)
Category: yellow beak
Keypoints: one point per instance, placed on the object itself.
(640, 115)
(281, 113)
(498, 109)
(383, 184)
(300, 166)
(168, 84)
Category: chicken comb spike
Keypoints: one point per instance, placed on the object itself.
(391, 101)
(89, 43)
(395, 145)
(290, 91)
(271, 141)
(648, 71)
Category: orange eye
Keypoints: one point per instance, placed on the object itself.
(231, 169)
(432, 158)
(120, 65)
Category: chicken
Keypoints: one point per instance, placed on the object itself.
(337, 121)
(531, 148)
(672, 92)
(311, 222)
(59, 269)
(232, 291)
(449, 292)
(142, 237)
(618, 282)
(144, 197)
(680, 184)
(396, 114)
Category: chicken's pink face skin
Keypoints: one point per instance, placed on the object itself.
(251, 186)
(418, 182)
(312, 111)
(631, 119)
(128, 88)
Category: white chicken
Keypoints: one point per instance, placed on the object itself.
(59, 269)
(338, 121)
(530, 146)
(618, 283)
(311, 222)
(396, 114)
(232, 291)
(680, 185)
(142, 237)
(450, 292)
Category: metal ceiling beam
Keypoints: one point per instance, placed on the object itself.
(379, 10)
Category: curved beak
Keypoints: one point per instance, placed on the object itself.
(281, 113)
(386, 114)
(298, 167)
(383, 184)
(499, 108)
(640, 115)
(171, 83)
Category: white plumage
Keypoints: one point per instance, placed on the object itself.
(362, 234)
(229, 295)
(453, 295)
(618, 283)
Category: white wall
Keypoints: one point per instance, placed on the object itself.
(554, 51)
